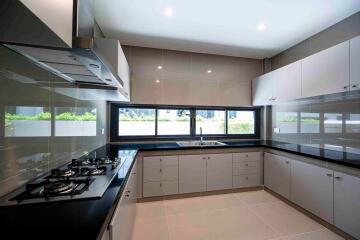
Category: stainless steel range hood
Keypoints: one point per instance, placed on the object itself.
(66, 47)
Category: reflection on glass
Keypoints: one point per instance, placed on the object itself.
(287, 122)
(211, 121)
(24, 121)
(310, 123)
(332, 122)
(136, 122)
(353, 123)
(173, 122)
(75, 121)
(241, 122)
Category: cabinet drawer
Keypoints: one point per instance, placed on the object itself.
(251, 180)
(169, 160)
(246, 168)
(151, 189)
(169, 173)
(169, 187)
(249, 156)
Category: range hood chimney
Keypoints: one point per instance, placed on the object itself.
(59, 36)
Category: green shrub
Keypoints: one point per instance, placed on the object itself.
(37, 117)
(68, 116)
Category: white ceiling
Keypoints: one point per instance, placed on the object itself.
(225, 27)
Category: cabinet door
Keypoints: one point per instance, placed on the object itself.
(347, 203)
(169, 168)
(192, 173)
(287, 82)
(120, 227)
(218, 171)
(152, 169)
(277, 174)
(355, 63)
(262, 90)
(326, 72)
(151, 189)
(169, 187)
(312, 188)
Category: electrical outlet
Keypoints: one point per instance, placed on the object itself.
(103, 131)
(276, 130)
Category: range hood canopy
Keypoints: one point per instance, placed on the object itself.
(59, 36)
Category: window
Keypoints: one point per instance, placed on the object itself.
(75, 121)
(287, 122)
(211, 121)
(136, 122)
(241, 122)
(173, 122)
(25, 121)
(152, 122)
(332, 122)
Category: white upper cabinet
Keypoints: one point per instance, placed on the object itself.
(124, 72)
(287, 82)
(355, 63)
(262, 92)
(326, 72)
(278, 86)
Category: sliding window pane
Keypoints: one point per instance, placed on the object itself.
(241, 122)
(173, 122)
(211, 121)
(25, 121)
(310, 122)
(136, 122)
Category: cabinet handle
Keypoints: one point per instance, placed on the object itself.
(127, 195)
(246, 155)
(134, 173)
(287, 162)
(246, 178)
(160, 185)
(160, 160)
(128, 191)
(329, 174)
(209, 157)
(204, 158)
(338, 178)
(345, 87)
(246, 165)
(160, 170)
(355, 85)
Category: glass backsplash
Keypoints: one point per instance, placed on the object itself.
(40, 128)
(332, 124)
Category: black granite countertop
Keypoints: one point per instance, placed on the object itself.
(87, 219)
(328, 155)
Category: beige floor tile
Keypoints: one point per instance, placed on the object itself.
(239, 223)
(188, 205)
(255, 197)
(151, 229)
(150, 209)
(284, 219)
(322, 234)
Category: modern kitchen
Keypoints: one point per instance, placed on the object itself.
(180, 120)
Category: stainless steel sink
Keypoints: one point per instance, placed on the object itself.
(199, 143)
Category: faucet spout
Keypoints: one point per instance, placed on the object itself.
(201, 136)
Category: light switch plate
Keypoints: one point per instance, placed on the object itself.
(276, 130)
(103, 131)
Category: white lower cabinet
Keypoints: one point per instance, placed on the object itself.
(312, 189)
(160, 177)
(218, 171)
(247, 169)
(192, 173)
(347, 203)
(122, 222)
(277, 174)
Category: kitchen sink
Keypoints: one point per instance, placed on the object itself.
(199, 143)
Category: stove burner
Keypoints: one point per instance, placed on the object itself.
(97, 171)
(56, 173)
(106, 161)
(58, 187)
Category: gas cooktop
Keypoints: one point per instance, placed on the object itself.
(80, 179)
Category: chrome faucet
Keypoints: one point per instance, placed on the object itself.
(201, 137)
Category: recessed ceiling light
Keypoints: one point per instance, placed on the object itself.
(169, 12)
(209, 71)
(157, 81)
(261, 27)
(159, 67)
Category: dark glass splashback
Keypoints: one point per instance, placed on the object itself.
(332, 124)
(40, 126)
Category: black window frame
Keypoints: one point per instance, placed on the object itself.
(114, 119)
